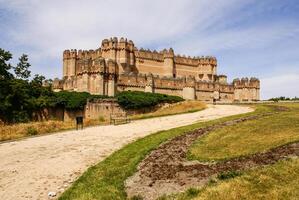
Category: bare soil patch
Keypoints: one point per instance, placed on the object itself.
(166, 169)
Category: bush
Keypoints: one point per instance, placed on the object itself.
(136, 100)
(228, 175)
(31, 131)
(101, 119)
(138, 197)
(73, 100)
(192, 192)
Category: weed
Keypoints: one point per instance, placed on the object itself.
(138, 197)
(101, 119)
(228, 175)
(31, 131)
(192, 192)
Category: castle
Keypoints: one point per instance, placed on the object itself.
(119, 66)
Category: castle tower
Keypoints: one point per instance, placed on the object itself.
(69, 63)
(66, 57)
(207, 68)
(111, 75)
(189, 88)
(72, 63)
(222, 79)
(168, 68)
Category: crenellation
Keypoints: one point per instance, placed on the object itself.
(118, 65)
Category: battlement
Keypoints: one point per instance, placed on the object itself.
(57, 84)
(195, 61)
(114, 43)
(67, 54)
(150, 55)
(246, 82)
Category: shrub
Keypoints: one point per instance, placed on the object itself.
(192, 192)
(136, 100)
(228, 175)
(138, 197)
(101, 119)
(31, 131)
(73, 100)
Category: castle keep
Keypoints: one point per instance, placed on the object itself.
(119, 66)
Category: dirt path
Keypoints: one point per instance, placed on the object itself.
(31, 168)
(166, 170)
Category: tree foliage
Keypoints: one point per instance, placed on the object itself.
(138, 100)
(276, 99)
(22, 69)
(5, 56)
(72, 100)
(19, 97)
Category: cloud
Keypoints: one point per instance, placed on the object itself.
(51, 26)
(280, 85)
(253, 37)
(248, 37)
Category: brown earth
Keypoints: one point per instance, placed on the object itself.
(166, 170)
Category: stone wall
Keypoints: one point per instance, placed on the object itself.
(102, 108)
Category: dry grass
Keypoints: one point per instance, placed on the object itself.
(21, 130)
(278, 181)
(249, 137)
(16, 131)
(172, 109)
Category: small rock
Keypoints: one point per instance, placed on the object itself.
(52, 194)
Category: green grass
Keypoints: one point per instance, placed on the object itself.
(105, 180)
(248, 137)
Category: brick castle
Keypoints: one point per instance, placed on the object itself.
(119, 66)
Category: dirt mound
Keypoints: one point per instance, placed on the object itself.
(166, 170)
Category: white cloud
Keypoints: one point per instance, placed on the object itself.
(44, 28)
(254, 37)
(51, 26)
(280, 85)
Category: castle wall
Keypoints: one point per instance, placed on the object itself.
(119, 66)
(175, 92)
(145, 66)
(204, 95)
(185, 70)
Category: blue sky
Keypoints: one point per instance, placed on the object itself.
(249, 37)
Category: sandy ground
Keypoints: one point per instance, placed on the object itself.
(33, 167)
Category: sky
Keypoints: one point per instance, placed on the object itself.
(250, 38)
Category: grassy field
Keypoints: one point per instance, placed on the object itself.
(249, 137)
(105, 180)
(173, 109)
(21, 130)
(277, 181)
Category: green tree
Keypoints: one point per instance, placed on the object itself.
(22, 68)
(5, 56)
(38, 80)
